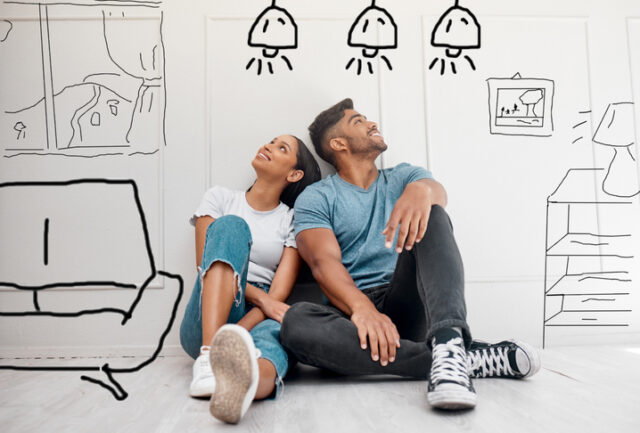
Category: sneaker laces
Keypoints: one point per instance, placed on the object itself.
(489, 362)
(450, 363)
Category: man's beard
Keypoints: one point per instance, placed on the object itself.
(366, 145)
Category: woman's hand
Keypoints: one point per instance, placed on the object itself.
(273, 309)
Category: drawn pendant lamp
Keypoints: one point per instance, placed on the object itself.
(616, 130)
(456, 30)
(273, 30)
(373, 30)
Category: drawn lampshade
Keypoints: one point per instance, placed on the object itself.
(274, 29)
(457, 29)
(363, 31)
(616, 130)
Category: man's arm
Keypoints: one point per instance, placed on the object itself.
(319, 248)
(411, 212)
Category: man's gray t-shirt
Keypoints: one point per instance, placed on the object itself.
(357, 218)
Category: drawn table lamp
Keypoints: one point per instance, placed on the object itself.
(616, 130)
(273, 30)
(456, 30)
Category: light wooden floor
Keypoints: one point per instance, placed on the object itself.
(579, 389)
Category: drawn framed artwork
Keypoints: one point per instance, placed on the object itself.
(521, 106)
(84, 84)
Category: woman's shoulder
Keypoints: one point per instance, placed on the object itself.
(219, 190)
(286, 214)
(222, 194)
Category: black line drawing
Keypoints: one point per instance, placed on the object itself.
(582, 126)
(273, 30)
(456, 30)
(5, 28)
(373, 30)
(576, 288)
(521, 106)
(60, 264)
(114, 97)
(616, 130)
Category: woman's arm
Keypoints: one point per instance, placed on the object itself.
(272, 305)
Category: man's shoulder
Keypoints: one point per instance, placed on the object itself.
(324, 187)
(405, 171)
(403, 166)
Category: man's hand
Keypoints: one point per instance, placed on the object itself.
(411, 213)
(382, 333)
(273, 309)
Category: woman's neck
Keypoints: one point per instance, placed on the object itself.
(263, 195)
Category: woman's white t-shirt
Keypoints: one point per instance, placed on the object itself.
(271, 230)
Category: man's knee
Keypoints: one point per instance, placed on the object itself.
(438, 217)
(293, 324)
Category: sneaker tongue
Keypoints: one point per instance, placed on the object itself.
(442, 336)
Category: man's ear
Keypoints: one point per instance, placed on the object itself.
(338, 144)
(295, 176)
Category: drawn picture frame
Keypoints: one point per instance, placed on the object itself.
(521, 106)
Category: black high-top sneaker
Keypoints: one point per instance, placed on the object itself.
(449, 384)
(511, 359)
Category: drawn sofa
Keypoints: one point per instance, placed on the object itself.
(64, 248)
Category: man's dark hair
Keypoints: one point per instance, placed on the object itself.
(319, 129)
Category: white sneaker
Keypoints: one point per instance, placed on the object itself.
(203, 383)
(235, 366)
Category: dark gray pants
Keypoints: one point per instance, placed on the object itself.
(425, 294)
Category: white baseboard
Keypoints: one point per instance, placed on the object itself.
(26, 352)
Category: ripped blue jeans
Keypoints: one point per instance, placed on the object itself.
(229, 240)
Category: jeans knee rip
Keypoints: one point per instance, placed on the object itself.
(236, 277)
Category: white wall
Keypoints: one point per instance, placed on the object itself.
(218, 113)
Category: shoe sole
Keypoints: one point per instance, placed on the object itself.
(533, 355)
(200, 392)
(235, 368)
(452, 399)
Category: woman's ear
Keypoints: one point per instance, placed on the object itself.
(295, 176)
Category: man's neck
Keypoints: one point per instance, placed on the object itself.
(361, 173)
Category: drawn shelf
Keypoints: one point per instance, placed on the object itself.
(589, 244)
(593, 283)
(578, 291)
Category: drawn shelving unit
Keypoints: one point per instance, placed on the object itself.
(587, 282)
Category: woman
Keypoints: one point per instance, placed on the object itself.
(247, 264)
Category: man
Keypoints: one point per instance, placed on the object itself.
(381, 247)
